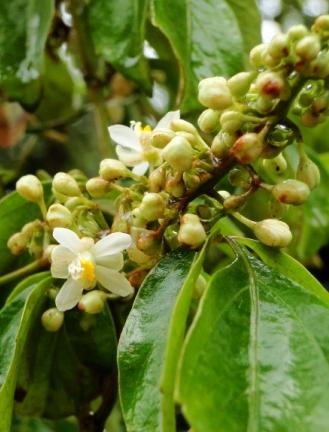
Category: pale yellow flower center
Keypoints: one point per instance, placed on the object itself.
(82, 268)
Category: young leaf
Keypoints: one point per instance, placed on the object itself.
(16, 320)
(257, 352)
(142, 345)
(206, 39)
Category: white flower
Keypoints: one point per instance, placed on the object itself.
(83, 263)
(132, 142)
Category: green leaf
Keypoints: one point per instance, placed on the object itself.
(30, 281)
(28, 424)
(142, 346)
(24, 28)
(256, 357)
(206, 39)
(16, 320)
(117, 29)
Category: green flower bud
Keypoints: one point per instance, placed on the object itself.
(179, 154)
(280, 136)
(273, 232)
(319, 67)
(161, 137)
(73, 202)
(112, 169)
(214, 93)
(79, 176)
(279, 46)
(231, 121)
(270, 84)
(308, 47)
(239, 83)
(52, 319)
(66, 185)
(209, 120)
(175, 187)
(321, 25)
(97, 187)
(277, 165)
(308, 172)
(221, 144)
(291, 192)
(59, 216)
(93, 302)
(31, 228)
(137, 256)
(152, 206)
(191, 231)
(180, 125)
(156, 179)
(264, 104)
(247, 148)
(17, 243)
(297, 32)
(192, 181)
(256, 55)
(30, 188)
(234, 201)
(148, 242)
(137, 219)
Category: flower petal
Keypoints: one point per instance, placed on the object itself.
(141, 168)
(167, 119)
(114, 262)
(125, 136)
(113, 281)
(68, 239)
(111, 245)
(61, 258)
(69, 295)
(129, 157)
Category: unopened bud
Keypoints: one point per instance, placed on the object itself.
(112, 169)
(138, 256)
(30, 188)
(17, 243)
(297, 32)
(319, 67)
(93, 302)
(308, 172)
(66, 185)
(256, 55)
(214, 93)
(175, 187)
(156, 179)
(179, 154)
(148, 242)
(291, 192)
(231, 121)
(31, 227)
(59, 216)
(234, 201)
(97, 187)
(180, 125)
(321, 25)
(264, 104)
(308, 47)
(209, 120)
(280, 136)
(52, 319)
(273, 232)
(191, 231)
(161, 137)
(247, 148)
(221, 144)
(276, 165)
(270, 84)
(191, 181)
(239, 83)
(279, 47)
(152, 206)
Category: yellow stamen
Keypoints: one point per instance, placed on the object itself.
(140, 128)
(88, 270)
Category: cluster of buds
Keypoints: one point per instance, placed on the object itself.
(164, 180)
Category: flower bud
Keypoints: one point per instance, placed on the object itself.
(152, 206)
(161, 137)
(321, 25)
(256, 55)
(59, 216)
(156, 179)
(264, 104)
(209, 120)
(231, 121)
(97, 187)
(278, 47)
(319, 67)
(291, 192)
(214, 93)
(308, 47)
(73, 202)
(297, 32)
(31, 227)
(66, 185)
(270, 84)
(148, 242)
(137, 219)
(277, 165)
(221, 144)
(247, 148)
(17, 243)
(191, 231)
(112, 169)
(93, 302)
(234, 201)
(199, 287)
(239, 178)
(280, 136)
(273, 232)
(179, 154)
(52, 319)
(137, 256)
(308, 172)
(239, 83)
(175, 187)
(30, 188)
(191, 181)
(180, 125)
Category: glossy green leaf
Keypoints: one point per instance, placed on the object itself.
(24, 28)
(256, 357)
(142, 345)
(30, 281)
(16, 320)
(206, 39)
(30, 424)
(117, 29)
